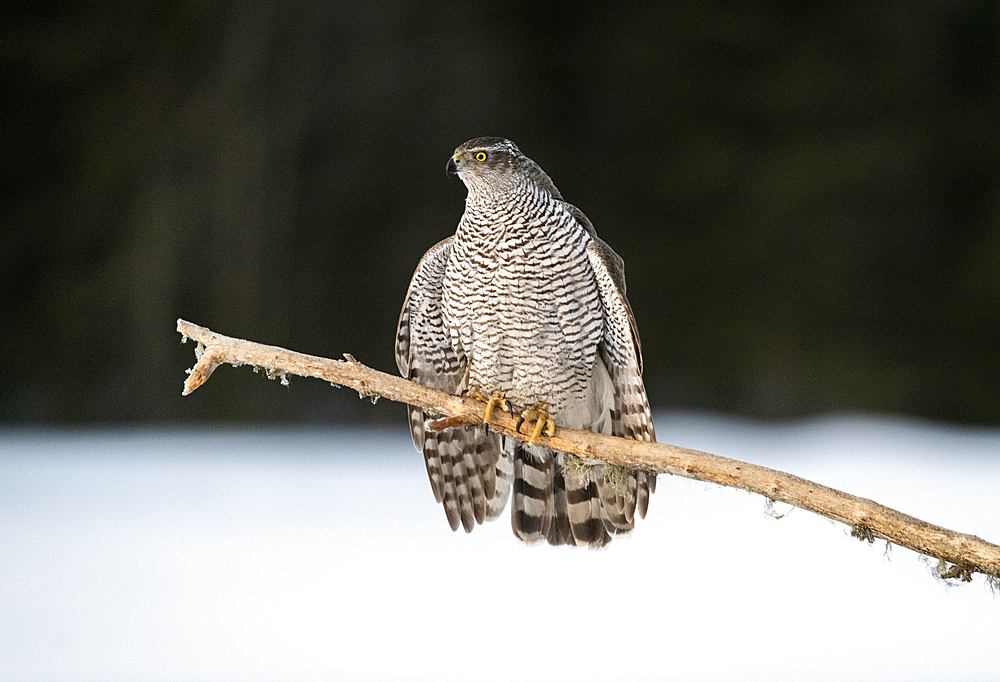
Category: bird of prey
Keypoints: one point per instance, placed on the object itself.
(524, 307)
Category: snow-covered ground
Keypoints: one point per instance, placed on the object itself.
(221, 554)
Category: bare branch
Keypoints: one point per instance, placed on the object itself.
(868, 520)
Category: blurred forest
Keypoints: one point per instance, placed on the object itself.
(807, 197)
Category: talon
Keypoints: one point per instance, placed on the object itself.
(520, 420)
(543, 423)
(491, 403)
(539, 425)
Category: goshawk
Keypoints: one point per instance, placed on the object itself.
(525, 308)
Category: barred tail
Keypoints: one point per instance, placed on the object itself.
(533, 497)
(567, 502)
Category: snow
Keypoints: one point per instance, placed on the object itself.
(292, 554)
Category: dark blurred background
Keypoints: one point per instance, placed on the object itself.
(807, 196)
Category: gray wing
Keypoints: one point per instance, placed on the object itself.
(582, 218)
(462, 463)
(542, 180)
(622, 355)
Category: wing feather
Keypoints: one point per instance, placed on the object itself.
(462, 463)
(630, 415)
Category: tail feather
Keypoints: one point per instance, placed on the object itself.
(567, 506)
(646, 487)
(586, 512)
(631, 502)
(533, 503)
(503, 475)
(618, 501)
(559, 530)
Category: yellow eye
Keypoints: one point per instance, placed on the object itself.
(480, 156)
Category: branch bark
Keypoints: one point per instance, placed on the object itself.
(868, 520)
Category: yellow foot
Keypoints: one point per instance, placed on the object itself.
(540, 416)
(491, 403)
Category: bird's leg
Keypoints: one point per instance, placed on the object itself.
(540, 416)
(491, 403)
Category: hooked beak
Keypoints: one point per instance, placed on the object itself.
(452, 166)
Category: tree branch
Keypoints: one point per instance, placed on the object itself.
(868, 520)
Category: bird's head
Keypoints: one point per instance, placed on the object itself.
(486, 159)
(490, 164)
